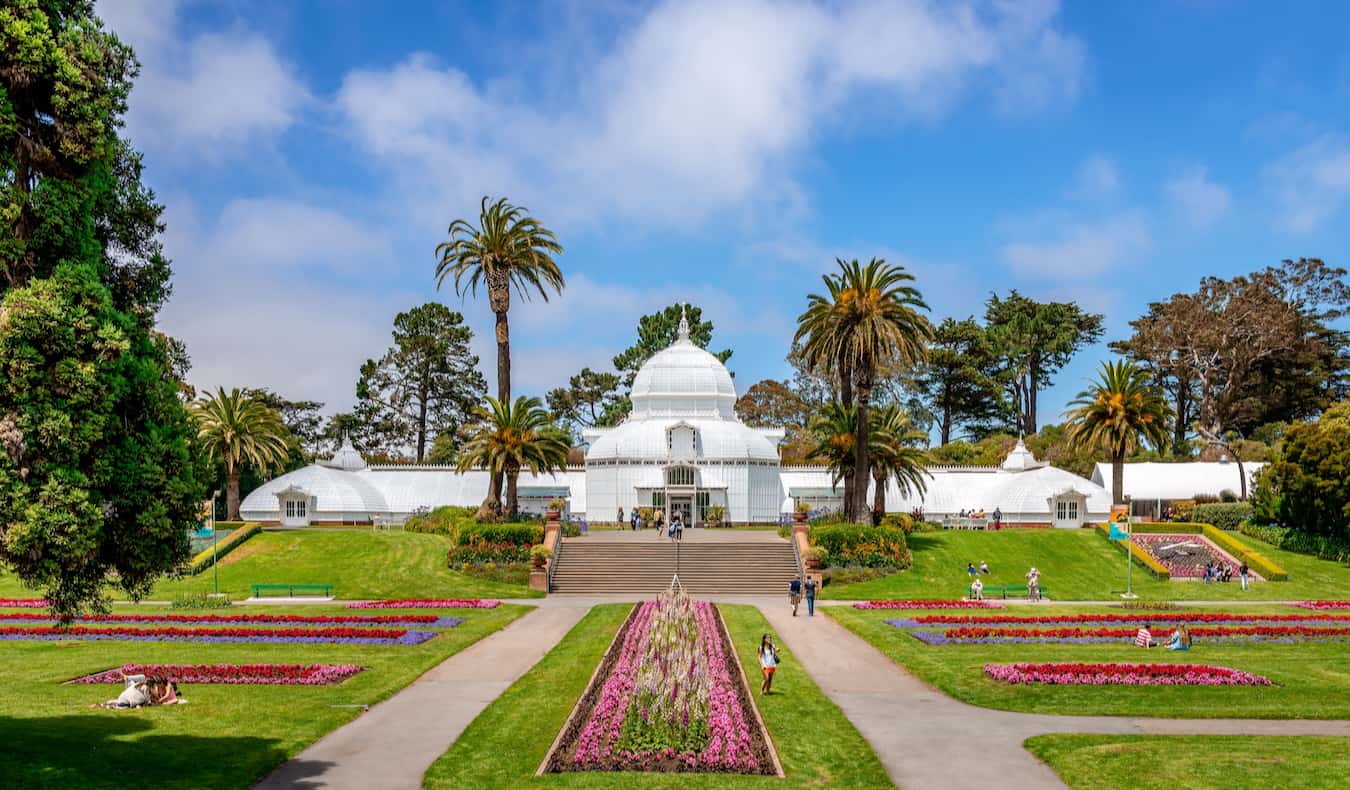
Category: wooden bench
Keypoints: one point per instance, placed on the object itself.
(1014, 590)
(325, 590)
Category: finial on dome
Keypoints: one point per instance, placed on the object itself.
(684, 324)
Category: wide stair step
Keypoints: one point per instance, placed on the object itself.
(592, 567)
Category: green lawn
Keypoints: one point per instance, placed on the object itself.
(1312, 681)
(1077, 564)
(1175, 762)
(506, 743)
(226, 737)
(360, 563)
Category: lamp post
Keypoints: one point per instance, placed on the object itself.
(215, 565)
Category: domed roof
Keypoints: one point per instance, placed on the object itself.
(683, 380)
(336, 491)
(346, 458)
(717, 439)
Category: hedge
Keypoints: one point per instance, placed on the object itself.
(445, 520)
(1300, 542)
(231, 542)
(861, 545)
(1155, 568)
(527, 534)
(1241, 551)
(1224, 515)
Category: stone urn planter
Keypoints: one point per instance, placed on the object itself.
(811, 559)
(540, 555)
(799, 516)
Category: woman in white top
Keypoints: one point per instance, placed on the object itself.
(768, 662)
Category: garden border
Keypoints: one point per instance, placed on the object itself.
(748, 695)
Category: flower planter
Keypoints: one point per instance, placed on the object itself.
(799, 518)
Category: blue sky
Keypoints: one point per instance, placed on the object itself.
(311, 155)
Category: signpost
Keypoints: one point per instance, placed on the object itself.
(1120, 530)
(215, 559)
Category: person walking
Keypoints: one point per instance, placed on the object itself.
(660, 518)
(977, 590)
(621, 520)
(810, 596)
(1033, 584)
(795, 593)
(1244, 574)
(768, 663)
(998, 519)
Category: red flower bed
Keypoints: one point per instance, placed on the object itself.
(1252, 630)
(335, 635)
(24, 603)
(427, 603)
(235, 674)
(928, 604)
(1323, 604)
(1123, 675)
(299, 619)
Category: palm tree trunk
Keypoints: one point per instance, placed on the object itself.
(879, 492)
(232, 496)
(422, 428)
(861, 468)
(846, 398)
(511, 502)
(1117, 478)
(499, 297)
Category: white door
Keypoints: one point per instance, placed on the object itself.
(1066, 514)
(295, 513)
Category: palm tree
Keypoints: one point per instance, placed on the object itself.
(833, 433)
(239, 429)
(1120, 411)
(868, 318)
(511, 437)
(895, 453)
(508, 248)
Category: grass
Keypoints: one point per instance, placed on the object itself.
(1176, 762)
(818, 747)
(360, 563)
(1312, 681)
(1078, 565)
(228, 736)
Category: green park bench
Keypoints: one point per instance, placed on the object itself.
(1012, 590)
(325, 590)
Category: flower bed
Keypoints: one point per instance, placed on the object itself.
(431, 620)
(344, 636)
(1184, 556)
(1122, 675)
(427, 603)
(668, 697)
(1159, 618)
(24, 603)
(926, 604)
(482, 551)
(234, 674)
(1215, 634)
(1323, 604)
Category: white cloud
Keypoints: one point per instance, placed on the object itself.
(1082, 250)
(1311, 183)
(1097, 176)
(206, 95)
(698, 108)
(1197, 200)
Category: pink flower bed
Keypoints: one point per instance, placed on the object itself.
(1123, 675)
(668, 699)
(427, 603)
(1184, 566)
(23, 603)
(928, 604)
(243, 674)
(1323, 604)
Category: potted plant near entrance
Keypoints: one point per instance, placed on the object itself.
(714, 515)
(555, 508)
(812, 558)
(540, 555)
(799, 513)
(645, 516)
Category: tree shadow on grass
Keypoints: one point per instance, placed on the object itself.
(111, 749)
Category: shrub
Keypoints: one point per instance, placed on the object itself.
(1310, 478)
(903, 521)
(482, 551)
(852, 575)
(232, 541)
(927, 526)
(861, 545)
(1182, 508)
(541, 554)
(570, 529)
(509, 573)
(525, 534)
(1226, 515)
(1227, 495)
(714, 514)
(200, 601)
(1204, 499)
(445, 520)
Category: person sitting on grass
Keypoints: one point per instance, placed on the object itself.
(1181, 639)
(1144, 637)
(135, 693)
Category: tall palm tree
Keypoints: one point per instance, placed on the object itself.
(869, 317)
(1116, 414)
(895, 453)
(833, 434)
(511, 437)
(508, 248)
(239, 429)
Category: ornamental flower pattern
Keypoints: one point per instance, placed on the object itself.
(24, 603)
(233, 674)
(1323, 604)
(1123, 619)
(430, 620)
(1212, 634)
(1122, 675)
(344, 636)
(427, 603)
(927, 604)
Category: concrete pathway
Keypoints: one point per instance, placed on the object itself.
(393, 745)
(929, 740)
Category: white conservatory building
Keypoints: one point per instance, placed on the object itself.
(682, 448)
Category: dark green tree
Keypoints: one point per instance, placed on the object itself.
(426, 385)
(588, 399)
(99, 478)
(959, 384)
(1034, 340)
(658, 330)
(1307, 487)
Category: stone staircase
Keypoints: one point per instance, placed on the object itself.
(591, 567)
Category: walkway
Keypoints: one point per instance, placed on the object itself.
(929, 740)
(394, 744)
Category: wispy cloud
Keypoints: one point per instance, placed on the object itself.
(1097, 177)
(1196, 199)
(1311, 183)
(1082, 250)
